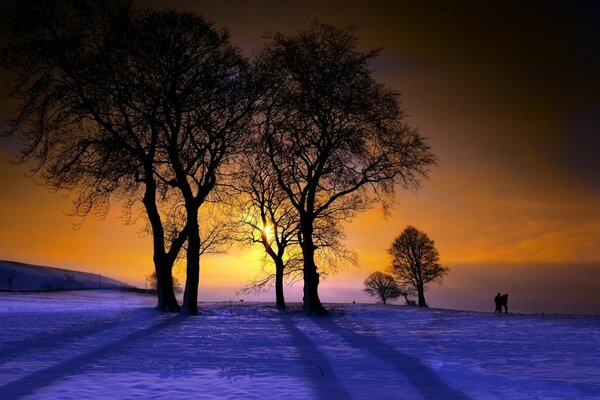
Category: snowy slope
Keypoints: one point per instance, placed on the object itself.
(27, 277)
(98, 344)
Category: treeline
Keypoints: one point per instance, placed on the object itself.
(160, 111)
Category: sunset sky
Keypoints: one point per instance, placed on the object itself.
(507, 94)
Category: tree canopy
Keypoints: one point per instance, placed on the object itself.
(383, 286)
(416, 261)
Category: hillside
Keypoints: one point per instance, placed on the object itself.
(112, 344)
(17, 276)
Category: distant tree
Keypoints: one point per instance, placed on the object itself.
(153, 283)
(383, 286)
(332, 134)
(415, 261)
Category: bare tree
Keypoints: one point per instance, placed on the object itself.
(206, 102)
(332, 134)
(383, 286)
(80, 113)
(270, 221)
(415, 261)
(142, 105)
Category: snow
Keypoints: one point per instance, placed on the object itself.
(27, 277)
(112, 344)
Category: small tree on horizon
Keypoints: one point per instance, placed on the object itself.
(415, 261)
(153, 283)
(383, 286)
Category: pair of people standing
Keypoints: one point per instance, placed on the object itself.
(501, 301)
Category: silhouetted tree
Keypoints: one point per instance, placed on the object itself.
(153, 283)
(415, 261)
(383, 286)
(332, 134)
(80, 114)
(269, 220)
(205, 98)
(135, 104)
(273, 222)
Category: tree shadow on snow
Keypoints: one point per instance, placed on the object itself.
(30, 383)
(420, 376)
(53, 340)
(323, 380)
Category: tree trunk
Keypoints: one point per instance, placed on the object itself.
(164, 279)
(163, 265)
(312, 303)
(279, 298)
(190, 295)
(405, 298)
(421, 292)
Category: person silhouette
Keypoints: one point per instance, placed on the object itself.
(504, 302)
(498, 301)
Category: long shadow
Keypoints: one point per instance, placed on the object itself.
(28, 384)
(421, 377)
(52, 340)
(324, 381)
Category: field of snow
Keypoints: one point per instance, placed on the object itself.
(108, 344)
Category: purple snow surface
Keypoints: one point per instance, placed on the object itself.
(105, 344)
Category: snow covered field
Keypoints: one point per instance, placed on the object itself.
(16, 276)
(110, 344)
